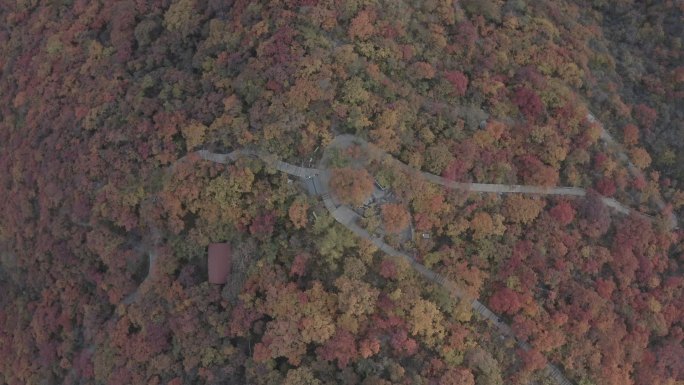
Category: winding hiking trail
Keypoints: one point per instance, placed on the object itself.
(344, 141)
(347, 217)
(635, 171)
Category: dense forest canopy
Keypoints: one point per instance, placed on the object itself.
(108, 210)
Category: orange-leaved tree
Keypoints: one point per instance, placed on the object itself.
(350, 185)
(395, 217)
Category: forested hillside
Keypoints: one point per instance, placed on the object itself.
(107, 208)
(644, 73)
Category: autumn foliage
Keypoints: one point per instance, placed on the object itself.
(518, 208)
(458, 80)
(528, 102)
(563, 212)
(107, 209)
(395, 217)
(350, 185)
(298, 214)
(630, 134)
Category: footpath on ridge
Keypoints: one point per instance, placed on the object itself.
(344, 141)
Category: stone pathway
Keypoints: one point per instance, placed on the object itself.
(344, 141)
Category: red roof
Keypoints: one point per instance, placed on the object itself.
(219, 262)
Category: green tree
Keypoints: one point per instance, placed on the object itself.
(437, 158)
(427, 322)
(520, 209)
(333, 244)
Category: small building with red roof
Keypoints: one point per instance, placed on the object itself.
(219, 263)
